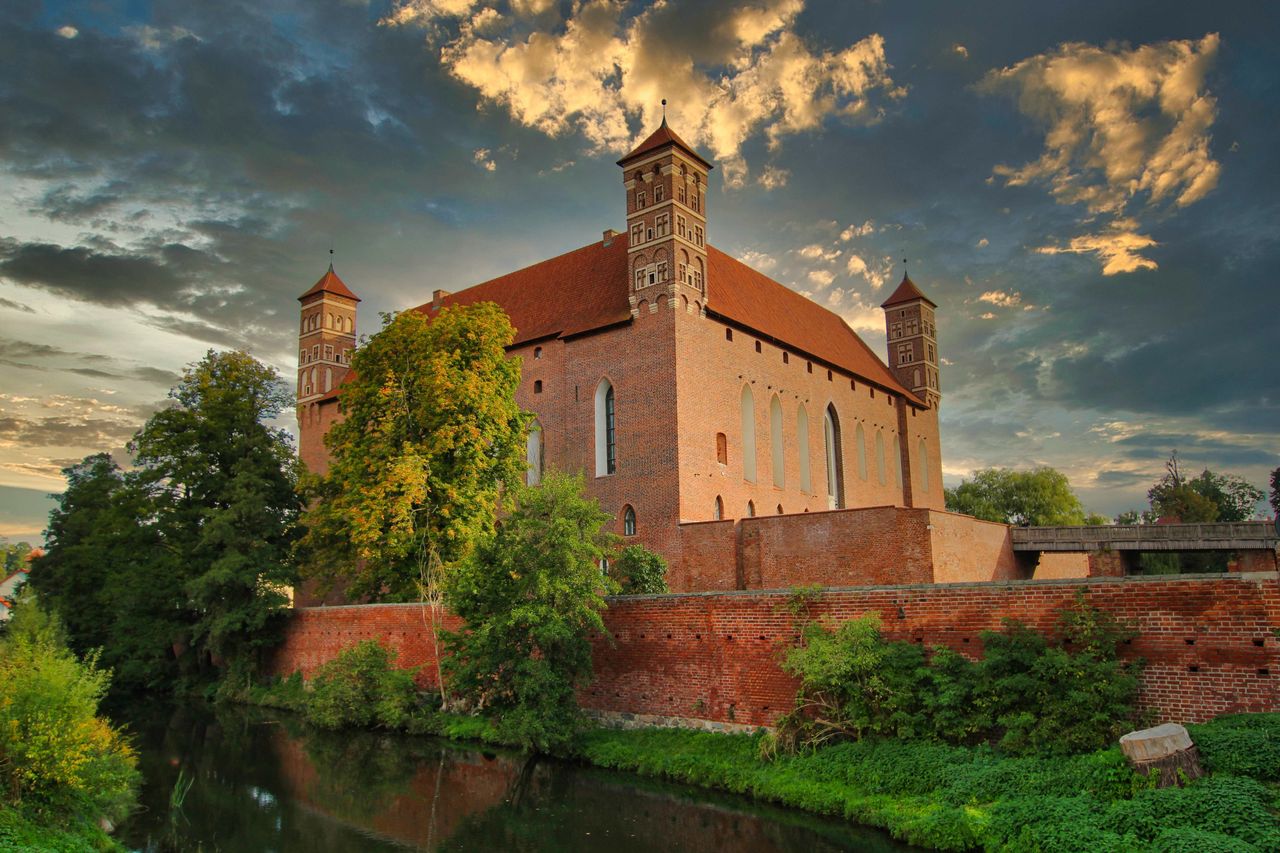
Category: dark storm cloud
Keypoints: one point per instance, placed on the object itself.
(46, 357)
(16, 306)
(89, 276)
(61, 431)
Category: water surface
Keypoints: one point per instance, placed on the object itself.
(262, 781)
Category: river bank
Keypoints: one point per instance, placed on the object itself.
(951, 797)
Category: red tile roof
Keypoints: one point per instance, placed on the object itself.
(586, 289)
(330, 283)
(660, 137)
(906, 292)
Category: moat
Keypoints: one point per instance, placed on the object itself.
(262, 781)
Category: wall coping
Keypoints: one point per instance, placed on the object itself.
(1237, 577)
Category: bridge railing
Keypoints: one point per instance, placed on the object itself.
(1220, 535)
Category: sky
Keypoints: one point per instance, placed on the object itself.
(1087, 190)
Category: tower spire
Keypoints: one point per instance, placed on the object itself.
(664, 112)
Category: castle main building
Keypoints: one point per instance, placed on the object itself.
(685, 385)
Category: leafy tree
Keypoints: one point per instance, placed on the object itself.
(13, 556)
(1275, 491)
(1041, 496)
(637, 571)
(530, 595)
(224, 495)
(1207, 497)
(430, 442)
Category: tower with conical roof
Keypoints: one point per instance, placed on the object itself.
(326, 338)
(666, 187)
(913, 340)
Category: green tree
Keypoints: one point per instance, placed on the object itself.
(13, 556)
(639, 571)
(530, 596)
(431, 441)
(1275, 492)
(1207, 497)
(223, 488)
(1041, 496)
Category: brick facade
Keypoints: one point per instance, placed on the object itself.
(1211, 643)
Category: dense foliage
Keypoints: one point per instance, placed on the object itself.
(963, 797)
(1027, 694)
(431, 442)
(361, 687)
(1041, 496)
(183, 562)
(1275, 492)
(639, 571)
(530, 596)
(60, 762)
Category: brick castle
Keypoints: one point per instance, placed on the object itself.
(687, 386)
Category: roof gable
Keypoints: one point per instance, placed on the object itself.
(906, 292)
(330, 283)
(661, 137)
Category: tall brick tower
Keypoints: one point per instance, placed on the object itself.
(913, 343)
(666, 184)
(326, 339)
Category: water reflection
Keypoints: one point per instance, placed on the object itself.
(263, 782)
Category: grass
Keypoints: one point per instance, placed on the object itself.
(20, 831)
(953, 797)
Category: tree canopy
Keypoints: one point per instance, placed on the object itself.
(1041, 496)
(1275, 491)
(530, 595)
(430, 443)
(1207, 497)
(191, 548)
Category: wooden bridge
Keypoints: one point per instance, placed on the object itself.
(1113, 548)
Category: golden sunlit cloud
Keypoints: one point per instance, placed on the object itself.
(602, 73)
(1126, 130)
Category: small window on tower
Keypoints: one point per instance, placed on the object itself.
(640, 198)
(728, 334)
(786, 358)
(637, 233)
(658, 193)
(664, 224)
(537, 352)
(808, 366)
(680, 193)
(328, 352)
(757, 346)
(537, 386)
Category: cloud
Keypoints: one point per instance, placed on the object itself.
(814, 252)
(983, 243)
(988, 316)
(960, 51)
(482, 159)
(773, 178)
(821, 277)
(1126, 131)
(862, 230)
(1119, 248)
(758, 260)
(45, 357)
(61, 431)
(1001, 298)
(740, 70)
(67, 31)
(875, 273)
(16, 306)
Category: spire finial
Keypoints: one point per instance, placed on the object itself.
(331, 257)
(664, 112)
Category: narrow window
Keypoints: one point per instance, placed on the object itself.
(915, 378)
(860, 438)
(923, 461)
(722, 449)
(728, 334)
(537, 386)
(628, 521)
(802, 442)
(775, 441)
(751, 509)
(640, 198)
(637, 234)
(537, 352)
(328, 379)
(779, 509)
(881, 472)
(533, 455)
(897, 462)
(606, 430)
(659, 193)
(748, 435)
(719, 509)
(786, 358)
(835, 464)
(757, 346)
(328, 352)
(808, 366)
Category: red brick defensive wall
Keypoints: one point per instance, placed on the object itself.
(1211, 642)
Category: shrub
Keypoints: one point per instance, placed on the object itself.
(639, 571)
(57, 756)
(361, 687)
(1241, 744)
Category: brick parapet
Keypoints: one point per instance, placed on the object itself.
(1210, 642)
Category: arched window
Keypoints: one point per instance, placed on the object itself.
(719, 510)
(628, 521)
(835, 461)
(915, 378)
(897, 462)
(748, 435)
(722, 449)
(881, 471)
(775, 441)
(802, 441)
(537, 386)
(328, 379)
(860, 437)
(533, 454)
(779, 509)
(537, 352)
(751, 509)
(923, 461)
(606, 430)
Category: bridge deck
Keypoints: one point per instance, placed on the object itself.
(1236, 536)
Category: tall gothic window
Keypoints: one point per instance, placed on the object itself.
(860, 438)
(775, 441)
(748, 435)
(881, 471)
(719, 509)
(923, 462)
(533, 454)
(629, 521)
(606, 430)
(835, 463)
(802, 441)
